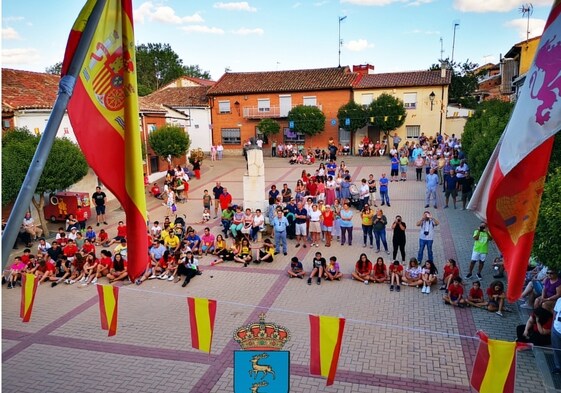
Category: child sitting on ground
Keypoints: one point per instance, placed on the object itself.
(333, 270)
(206, 216)
(455, 293)
(396, 273)
(475, 296)
(296, 268)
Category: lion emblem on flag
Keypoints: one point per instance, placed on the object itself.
(548, 63)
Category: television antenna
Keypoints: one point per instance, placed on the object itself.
(527, 10)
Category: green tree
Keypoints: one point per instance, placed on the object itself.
(463, 84)
(65, 166)
(268, 127)
(546, 245)
(482, 132)
(353, 114)
(158, 64)
(308, 120)
(387, 113)
(169, 141)
(55, 69)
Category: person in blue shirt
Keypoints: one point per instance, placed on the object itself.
(383, 183)
(451, 186)
(394, 167)
(331, 167)
(280, 223)
(432, 184)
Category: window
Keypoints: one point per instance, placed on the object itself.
(151, 127)
(224, 107)
(367, 99)
(263, 105)
(231, 136)
(291, 136)
(413, 131)
(410, 100)
(310, 101)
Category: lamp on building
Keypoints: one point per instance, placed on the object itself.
(431, 98)
(237, 106)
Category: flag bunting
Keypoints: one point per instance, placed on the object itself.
(326, 336)
(202, 314)
(28, 289)
(108, 307)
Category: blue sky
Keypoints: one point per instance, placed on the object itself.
(268, 35)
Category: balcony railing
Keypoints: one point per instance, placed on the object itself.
(253, 112)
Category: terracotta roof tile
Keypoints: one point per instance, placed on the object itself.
(178, 96)
(28, 90)
(284, 81)
(403, 79)
(146, 106)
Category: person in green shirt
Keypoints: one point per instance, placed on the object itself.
(482, 238)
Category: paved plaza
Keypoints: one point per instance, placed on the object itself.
(393, 342)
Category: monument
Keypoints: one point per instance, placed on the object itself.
(254, 179)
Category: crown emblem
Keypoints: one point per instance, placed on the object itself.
(262, 336)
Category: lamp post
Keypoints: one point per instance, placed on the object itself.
(340, 43)
(431, 98)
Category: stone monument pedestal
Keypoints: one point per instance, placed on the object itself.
(254, 182)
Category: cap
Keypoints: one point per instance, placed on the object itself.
(73, 228)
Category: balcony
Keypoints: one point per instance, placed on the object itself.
(254, 112)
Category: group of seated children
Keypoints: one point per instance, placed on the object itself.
(320, 269)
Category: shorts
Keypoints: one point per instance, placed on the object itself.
(209, 248)
(478, 256)
(454, 298)
(205, 206)
(394, 172)
(100, 209)
(314, 226)
(447, 193)
(301, 229)
(538, 287)
(403, 168)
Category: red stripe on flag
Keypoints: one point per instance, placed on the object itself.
(512, 223)
(212, 315)
(481, 362)
(553, 14)
(336, 353)
(315, 362)
(193, 323)
(102, 310)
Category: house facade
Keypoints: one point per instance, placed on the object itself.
(424, 95)
(239, 101)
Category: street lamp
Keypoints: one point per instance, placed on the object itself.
(431, 98)
(340, 43)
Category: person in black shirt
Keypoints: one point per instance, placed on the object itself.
(100, 199)
(398, 238)
(217, 191)
(319, 264)
(466, 185)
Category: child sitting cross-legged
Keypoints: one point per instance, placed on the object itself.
(455, 294)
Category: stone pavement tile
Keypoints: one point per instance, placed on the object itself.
(7, 344)
(70, 370)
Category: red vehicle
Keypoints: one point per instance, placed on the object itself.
(61, 204)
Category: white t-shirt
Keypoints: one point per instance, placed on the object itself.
(314, 215)
(557, 315)
(364, 191)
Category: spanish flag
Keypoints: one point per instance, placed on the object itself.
(326, 336)
(104, 115)
(28, 290)
(494, 370)
(108, 307)
(201, 318)
(509, 192)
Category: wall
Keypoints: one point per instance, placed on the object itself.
(36, 120)
(455, 125)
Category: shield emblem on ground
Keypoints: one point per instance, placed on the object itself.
(261, 371)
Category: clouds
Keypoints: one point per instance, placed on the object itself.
(163, 14)
(10, 33)
(386, 2)
(494, 5)
(520, 25)
(246, 31)
(202, 29)
(235, 6)
(358, 45)
(20, 56)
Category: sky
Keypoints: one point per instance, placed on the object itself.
(270, 35)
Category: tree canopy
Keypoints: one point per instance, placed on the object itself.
(268, 127)
(55, 69)
(463, 84)
(308, 120)
(387, 113)
(352, 116)
(169, 141)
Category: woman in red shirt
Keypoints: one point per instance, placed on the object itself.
(379, 271)
(327, 221)
(451, 271)
(362, 269)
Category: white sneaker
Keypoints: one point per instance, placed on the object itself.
(170, 278)
(153, 276)
(71, 282)
(164, 277)
(365, 282)
(427, 291)
(424, 289)
(94, 281)
(82, 279)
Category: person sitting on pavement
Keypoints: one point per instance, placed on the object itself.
(318, 267)
(207, 242)
(429, 276)
(121, 233)
(244, 253)
(362, 269)
(551, 291)
(119, 269)
(455, 294)
(475, 296)
(496, 297)
(333, 270)
(223, 252)
(379, 273)
(451, 271)
(537, 329)
(267, 252)
(413, 274)
(188, 267)
(396, 275)
(296, 269)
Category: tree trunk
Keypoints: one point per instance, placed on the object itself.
(39, 206)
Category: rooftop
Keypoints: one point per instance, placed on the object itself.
(403, 79)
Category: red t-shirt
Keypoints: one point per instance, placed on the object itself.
(70, 250)
(122, 231)
(454, 271)
(50, 267)
(328, 218)
(491, 292)
(225, 201)
(80, 215)
(396, 268)
(312, 188)
(379, 270)
(455, 291)
(88, 248)
(103, 237)
(25, 258)
(476, 293)
(106, 261)
(366, 268)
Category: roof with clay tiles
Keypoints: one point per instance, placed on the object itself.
(178, 96)
(403, 79)
(28, 90)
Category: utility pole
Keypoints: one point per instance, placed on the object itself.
(456, 25)
(441, 49)
(340, 43)
(527, 10)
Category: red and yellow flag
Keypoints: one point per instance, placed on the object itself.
(108, 307)
(28, 290)
(326, 336)
(104, 114)
(494, 370)
(201, 318)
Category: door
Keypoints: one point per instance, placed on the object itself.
(285, 103)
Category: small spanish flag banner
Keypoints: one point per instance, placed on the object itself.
(108, 307)
(494, 370)
(326, 336)
(202, 313)
(28, 290)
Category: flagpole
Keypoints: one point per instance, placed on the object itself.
(66, 87)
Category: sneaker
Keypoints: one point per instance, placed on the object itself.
(427, 291)
(371, 246)
(72, 282)
(138, 281)
(389, 205)
(153, 276)
(97, 224)
(479, 276)
(364, 246)
(285, 253)
(426, 206)
(54, 284)
(405, 283)
(443, 288)
(365, 282)
(309, 281)
(297, 245)
(424, 289)
(377, 251)
(319, 281)
(185, 282)
(468, 276)
(387, 252)
(94, 281)
(397, 288)
(391, 287)
(170, 278)
(105, 223)
(82, 279)
(317, 245)
(500, 314)
(67, 281)
(435, 207)
(164, 277)
(304, 246)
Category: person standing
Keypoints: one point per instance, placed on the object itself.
(346, 224)
(482, 238)
(466, 185)
(301, 215)
(384, 196)
(217, 191)
(225, 199)
(396, 140)
(274, 148)
(426, 235)
(372, 190)
(100, 199)
(394, 167)
(286, 193)
(379, 225)
(399, 239)
(451, 186)
(432, 184)
(280, 223)
(220, 150)
(367, 217)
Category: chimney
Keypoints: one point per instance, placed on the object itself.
(442, 70)
(363, 69)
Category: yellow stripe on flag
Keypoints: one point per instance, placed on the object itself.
(204, 328)
(501, 356)
(29, 286)
(109, 302)
(329, 334)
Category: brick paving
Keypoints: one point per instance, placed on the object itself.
(393, 342)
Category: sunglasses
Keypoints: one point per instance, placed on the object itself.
(550, 272)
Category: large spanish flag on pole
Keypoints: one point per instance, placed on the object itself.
(108, 307)
(202, 313)
(509, 192)
(494, 370)
(104, 114)
(326, 337)
(28, 290)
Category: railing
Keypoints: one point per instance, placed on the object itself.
(254, 112)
